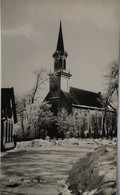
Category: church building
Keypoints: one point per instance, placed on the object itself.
(83, 104)
(60, 93)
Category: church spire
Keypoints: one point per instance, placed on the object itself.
(60, 44)
(60, 54)
(61, 82)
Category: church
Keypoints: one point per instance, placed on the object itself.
(60, 93)
(77, 101)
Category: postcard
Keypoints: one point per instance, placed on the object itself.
(59, 97)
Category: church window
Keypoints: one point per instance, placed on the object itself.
(60, 63)
(64, 64)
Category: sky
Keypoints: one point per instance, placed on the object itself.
(29, 38)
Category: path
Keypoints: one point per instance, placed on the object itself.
(39, 172)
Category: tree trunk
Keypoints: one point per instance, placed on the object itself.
(103, 129)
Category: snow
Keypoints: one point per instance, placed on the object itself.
(40, 143)
(96, 173)
(91, 175)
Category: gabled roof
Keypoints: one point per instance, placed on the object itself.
(7, 94)
(60, 44)
(83, 97)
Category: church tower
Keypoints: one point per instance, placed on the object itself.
(61, 95)
(62, 77)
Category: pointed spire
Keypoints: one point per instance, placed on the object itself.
(60, 44)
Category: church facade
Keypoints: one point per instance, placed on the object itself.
(82, 103)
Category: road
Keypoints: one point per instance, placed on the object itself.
(39, 172)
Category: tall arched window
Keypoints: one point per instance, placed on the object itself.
(64, 64)
(60, 64)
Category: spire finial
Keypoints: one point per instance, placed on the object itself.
(60, 19)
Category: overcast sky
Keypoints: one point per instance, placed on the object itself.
(29, 38)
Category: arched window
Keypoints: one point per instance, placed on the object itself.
(64, 64)
(60, 64)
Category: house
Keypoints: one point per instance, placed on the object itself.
(74, 100)
(8, 118)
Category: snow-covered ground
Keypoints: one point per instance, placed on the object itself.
(96, 174)
(40, 143)
(46, 158)
(92, 175)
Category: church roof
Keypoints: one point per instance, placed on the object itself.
(60, 44)
(83, 97)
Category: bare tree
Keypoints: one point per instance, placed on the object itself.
(111, 90)
(111, 82)
(40, 78)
